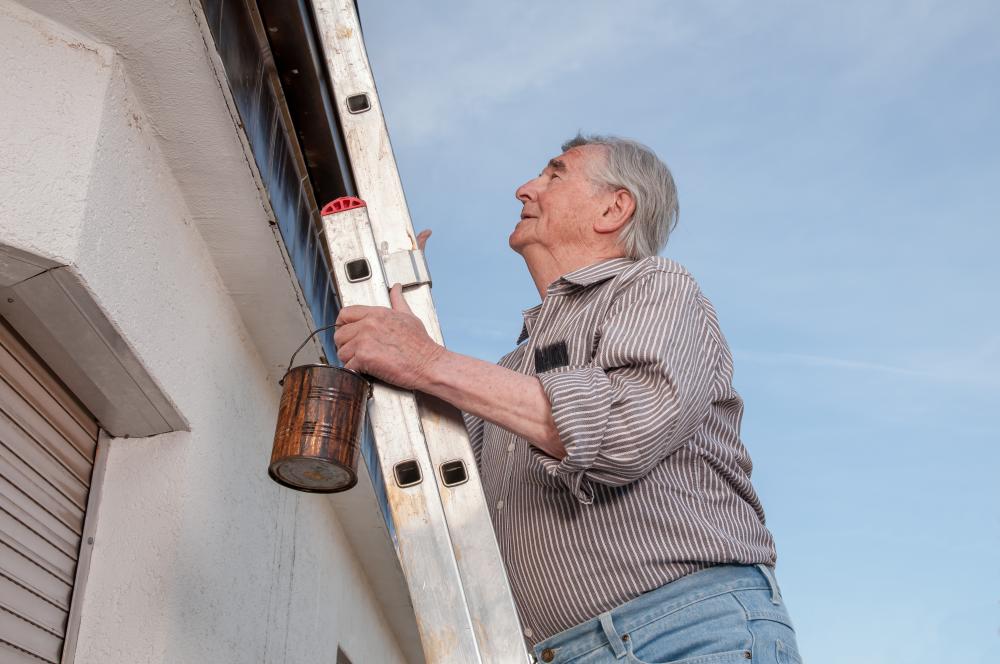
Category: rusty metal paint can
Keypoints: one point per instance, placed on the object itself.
(320, 422)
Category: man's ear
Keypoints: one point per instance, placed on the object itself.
(619, 210)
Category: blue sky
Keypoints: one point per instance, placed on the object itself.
(839, 175)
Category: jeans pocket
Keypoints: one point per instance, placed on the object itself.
(768, 621)
(711, 630)
(786, 654)
(731, 657)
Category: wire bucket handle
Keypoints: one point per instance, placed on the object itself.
(291, 362)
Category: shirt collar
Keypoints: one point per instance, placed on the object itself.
(590, 275)
(530, 316)
(585, 276)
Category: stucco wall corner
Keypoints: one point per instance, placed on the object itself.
(49, 120)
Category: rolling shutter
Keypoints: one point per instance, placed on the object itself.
(47, 448)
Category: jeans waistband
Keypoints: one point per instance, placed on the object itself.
(611, 626)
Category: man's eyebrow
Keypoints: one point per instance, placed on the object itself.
(557, 165)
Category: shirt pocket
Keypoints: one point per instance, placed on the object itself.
(570, 341)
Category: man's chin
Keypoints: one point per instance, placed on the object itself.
(516, 243)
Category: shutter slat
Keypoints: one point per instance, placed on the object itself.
(27, 450)
(29, 637)
(40, 522)
(13, 345)
(11, 655)
(42, 402)
(36, 547)
(27, 604)
(42, 432)
(48, 442)
(28, 573)
(30, 483)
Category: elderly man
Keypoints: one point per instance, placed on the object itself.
(608, 439)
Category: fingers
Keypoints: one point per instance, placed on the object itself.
(354, 313)
(360, 355)
(397, 300)
(350, 321)
(346, 354)
(345, 334)
(422, 237)
(351, 362)
(350, 324)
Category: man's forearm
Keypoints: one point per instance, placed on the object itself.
(392, 345)
(506, 398)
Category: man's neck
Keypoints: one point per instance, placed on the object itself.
(545, 266)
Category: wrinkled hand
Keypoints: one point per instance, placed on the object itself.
(389, 344)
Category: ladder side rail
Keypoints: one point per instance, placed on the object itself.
(487, 589)
(422, 541)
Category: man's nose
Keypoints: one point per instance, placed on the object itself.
(526, 191)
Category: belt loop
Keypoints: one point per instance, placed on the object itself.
(612, 635)
(772, 581)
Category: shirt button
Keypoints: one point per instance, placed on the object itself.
(510, 448)
(548, 655)
(499, 504)
(529, 633)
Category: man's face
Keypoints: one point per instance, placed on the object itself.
(560, 205)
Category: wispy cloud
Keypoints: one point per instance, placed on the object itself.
(509, 52)
(889, 44)
(802, 359)
(480, 55)
(974, 367)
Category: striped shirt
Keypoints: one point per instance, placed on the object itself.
(655, 484)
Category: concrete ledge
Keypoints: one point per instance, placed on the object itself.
(55, 313)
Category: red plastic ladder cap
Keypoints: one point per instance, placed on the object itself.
(341, 204)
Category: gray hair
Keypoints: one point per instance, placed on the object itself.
(633, 166)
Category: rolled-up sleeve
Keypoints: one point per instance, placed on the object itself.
(648, 387)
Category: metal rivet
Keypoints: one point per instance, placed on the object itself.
(625, 637)
(746, 654)
(548, 655)
(272, 29)
(10, 300)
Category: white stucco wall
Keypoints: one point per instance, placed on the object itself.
(198, 556)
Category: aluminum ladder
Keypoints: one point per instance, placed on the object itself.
(444, 537)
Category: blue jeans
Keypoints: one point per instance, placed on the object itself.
(720, 615)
